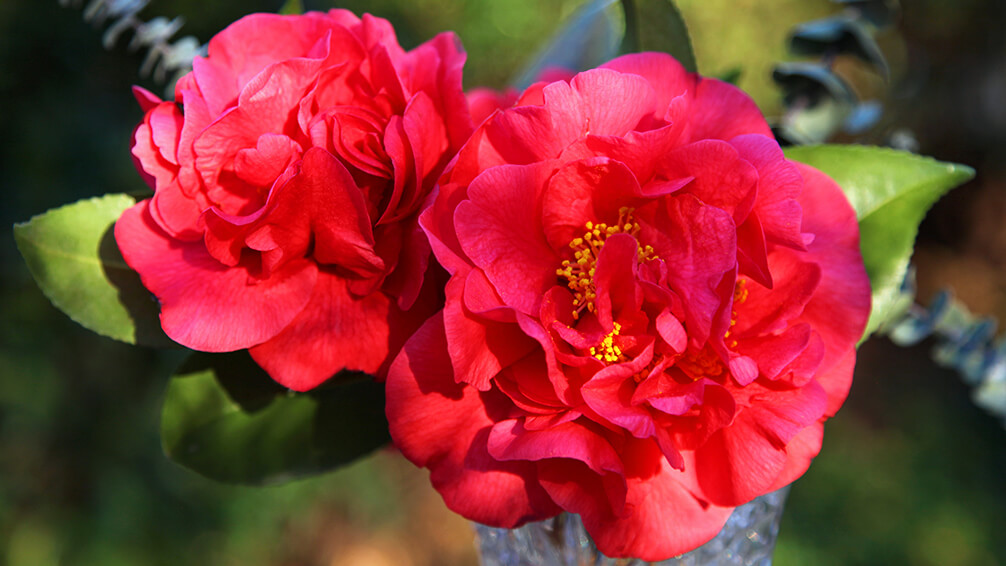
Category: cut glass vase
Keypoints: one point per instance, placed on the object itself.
(747, 539)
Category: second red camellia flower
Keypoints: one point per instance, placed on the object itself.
(650, 313)
(287, 190)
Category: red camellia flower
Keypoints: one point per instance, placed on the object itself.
(287, 191)
(650, 313)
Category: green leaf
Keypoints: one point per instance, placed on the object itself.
(891, 191)
(292, 7)
(588, 38)
(72, 254)
(224, 418)
(657, 25)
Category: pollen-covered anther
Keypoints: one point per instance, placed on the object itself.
(606, 350)
(700, 364)
(740, 295)
(642, 374)
(579, 272)
(740, 291)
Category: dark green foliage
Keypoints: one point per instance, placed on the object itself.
(226, 419)
(657, 25)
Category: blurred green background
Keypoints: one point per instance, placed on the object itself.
(911, 472)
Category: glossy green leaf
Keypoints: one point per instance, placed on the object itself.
(224, 418)
(588, 38)
(657, 25)
(72, 254)
(891, 191)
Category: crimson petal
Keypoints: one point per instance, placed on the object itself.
(206, 305)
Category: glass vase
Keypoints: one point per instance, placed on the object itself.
(747, 539)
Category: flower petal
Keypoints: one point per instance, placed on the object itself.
(444, 426)
(509, 440)
(844, 288)
(206, 305)
(479, 347)
(499, 229)
(707, 118)
(742, 461)
(336, 331)
(666, 519)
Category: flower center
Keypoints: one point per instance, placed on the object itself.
(579, 272)
(705, 362)
(606, 350)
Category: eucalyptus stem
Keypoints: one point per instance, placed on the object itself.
(166, 59)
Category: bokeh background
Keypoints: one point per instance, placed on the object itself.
(911, 472)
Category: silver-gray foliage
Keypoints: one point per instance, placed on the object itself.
(963, 341)
(168, 60)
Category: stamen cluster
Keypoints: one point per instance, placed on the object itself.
(580, 270)
(607, 351)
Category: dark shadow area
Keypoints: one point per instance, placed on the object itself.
(140, 303)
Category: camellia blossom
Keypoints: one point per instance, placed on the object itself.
(649, 316)
(287, 190)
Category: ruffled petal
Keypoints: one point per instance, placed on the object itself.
(708, 119)
(666, 519)
(699, 244)
(742, 461)
(479, 347)
(840, 307)
(444, 426)
(800, 452)
(206, 305)
(779, 186)
(668, 78)
(335, 331)
(613, 103)
(499, 229)
(509, 440)
(586, 190)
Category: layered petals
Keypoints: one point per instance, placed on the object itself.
(446, 427)
(370, 328)
(650, 312)
(205, 304)
(289, 174)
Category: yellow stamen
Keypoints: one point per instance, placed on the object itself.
(579, 272)
(740, 295)
(606, 350)
(740, 291)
